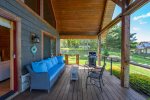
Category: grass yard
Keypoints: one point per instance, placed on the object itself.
(133, 68)
(141, 59)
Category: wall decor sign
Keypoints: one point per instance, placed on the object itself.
(34, 49)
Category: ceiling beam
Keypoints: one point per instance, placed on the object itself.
(135, 6)
(103, 16)
(129, 10)
(51, 2)
(118, 2)
(78, 36)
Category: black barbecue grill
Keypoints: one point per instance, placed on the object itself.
(92, 59)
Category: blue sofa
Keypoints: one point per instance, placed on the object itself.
(43, 74)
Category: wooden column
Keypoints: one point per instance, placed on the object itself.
(66, 59)
(42, 8)
(125, 47)
(99, 50)
(77, 59)
(22, 1)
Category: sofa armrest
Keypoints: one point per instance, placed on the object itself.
(40, 80)
(40, 76)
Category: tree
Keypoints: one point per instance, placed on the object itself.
(133, 40)
(113, 39)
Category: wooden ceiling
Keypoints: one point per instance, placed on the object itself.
(79, 17)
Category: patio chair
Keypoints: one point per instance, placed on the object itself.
(89, 67)
(96, 78)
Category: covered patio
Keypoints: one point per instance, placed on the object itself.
(52, 20)
(65, 89)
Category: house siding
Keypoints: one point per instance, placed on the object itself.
(47, 46)
(29, 24)
(148, 50)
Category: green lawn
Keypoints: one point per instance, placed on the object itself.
(142, 59)
(133, 68)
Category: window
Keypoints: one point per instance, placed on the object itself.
(34, 5)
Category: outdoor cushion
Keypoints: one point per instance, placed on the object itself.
(54, 71)
(56, 61)
(48, 63)
(39, 67)
(43, 75)
(60, 59)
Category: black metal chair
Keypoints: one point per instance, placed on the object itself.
(89, 67)
(96, 77)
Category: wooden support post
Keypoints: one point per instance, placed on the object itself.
(66, 59)
(22, 1)
(99, 50)
(125, 47)
(77, 59)
(42, 8)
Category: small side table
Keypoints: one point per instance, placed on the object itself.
(74, 73)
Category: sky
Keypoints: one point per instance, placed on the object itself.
(140, 22)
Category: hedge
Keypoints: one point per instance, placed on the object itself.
(138, 82)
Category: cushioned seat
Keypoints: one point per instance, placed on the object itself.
(45, 72)
(55, 70)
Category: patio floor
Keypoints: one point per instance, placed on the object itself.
(64, 89)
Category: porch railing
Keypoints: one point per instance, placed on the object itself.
(69, 55)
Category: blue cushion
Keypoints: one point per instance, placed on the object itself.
(60, 59)
(53, 61)
(48, 63)
(56, 61)
(54, 71)
(39, 67)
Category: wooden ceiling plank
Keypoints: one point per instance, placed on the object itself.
(78, 15)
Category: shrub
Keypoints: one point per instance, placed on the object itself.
(116, 72)
(138, 82)
(106, 52)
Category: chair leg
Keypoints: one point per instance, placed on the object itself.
(86, 81)
(48, 90)
(90, 80)
(100, 84)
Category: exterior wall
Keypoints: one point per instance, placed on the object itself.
(144, 51)
(148, 50)
(47, 47)
(29, 24)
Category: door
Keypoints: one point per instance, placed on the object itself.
(8, 58)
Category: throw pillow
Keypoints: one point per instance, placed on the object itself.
(56, 60)
(53, 61)
(39, 67)
(48, 63)
(60, 59)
